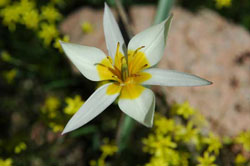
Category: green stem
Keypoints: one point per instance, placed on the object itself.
(125, 129)
(163, 10)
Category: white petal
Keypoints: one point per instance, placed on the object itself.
(154, 40)
(112, 33)
(84, 58)
(173, 78)
(95, 104)
(141, 109)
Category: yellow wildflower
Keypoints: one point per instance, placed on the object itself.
(157, 161)
(7, 162)
(87, 27)
(10, 75)
(20, 147)
(57, 43)
(11, 15)
(31, 19)
(5, 56)
(56, 127)
(199, 120)
(223, 3)
(50, 13)
(183, 110)
(227, 140)
(206, 160)
(157, 144)
(4, 3)
(50, 106)
(48, 33)
(108, 149)
(164, 125)
(26, 5)
(240, 160)
(244, 139)
(214, 143)
(186, 133)
(73, 104)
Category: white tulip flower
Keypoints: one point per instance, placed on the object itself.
(126, 70)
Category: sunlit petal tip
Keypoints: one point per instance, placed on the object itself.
(153, 39)
(95, 104)
(112, 32)
(66, 130)
(165, 77)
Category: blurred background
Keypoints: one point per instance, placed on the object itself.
(40, 89)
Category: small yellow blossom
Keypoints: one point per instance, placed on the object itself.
(240, 160)
(57, 43)
(206, 160)
(73, 104)
(244, 139)
(56, 127)
(157, 144)
(214, 143)
(50, 13)
(48, 33)
(6, 162)
(20, 147)
(227, 140)
(186, 133)
(31, 19)
(4, 3)
(26, 5)
(10, 75)
(164, 125)
(108, 149)
(51, 106)
(11, 15)
(5, 56)
(87, 27)
(183, 110)
(157, 161)
(199, 120)
(223, 3)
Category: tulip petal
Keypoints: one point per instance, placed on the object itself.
(112, 33)
(153, 39)
(84, 58)
(173, 78)
(95, 104)
(141, 108)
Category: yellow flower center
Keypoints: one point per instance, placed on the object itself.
(126, 73)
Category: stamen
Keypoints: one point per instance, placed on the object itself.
(109, 58)
(144, 66)
(135, 52)
(117, 48)
(100, 64)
